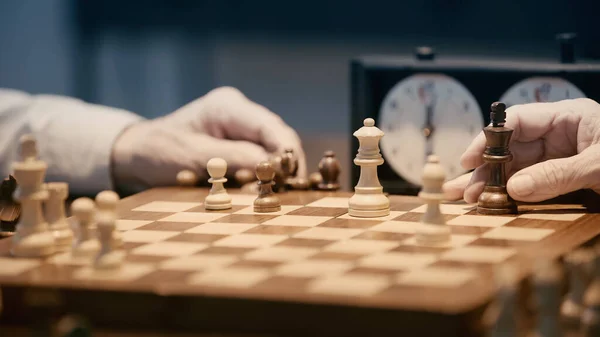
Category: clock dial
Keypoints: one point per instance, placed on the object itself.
(541, 89)
(427, 114)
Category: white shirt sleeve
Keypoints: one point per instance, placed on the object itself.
(74, 138)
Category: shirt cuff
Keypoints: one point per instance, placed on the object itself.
(76, 140)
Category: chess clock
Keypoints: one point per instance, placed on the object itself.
(430, 104)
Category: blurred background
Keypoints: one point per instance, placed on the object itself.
(151, 57)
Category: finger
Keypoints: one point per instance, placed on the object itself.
(556, 177)
(529, 122)
(454, 189)
(471, 158)
(526, 154)
(255, 123)
(238, 154)
(477, 183)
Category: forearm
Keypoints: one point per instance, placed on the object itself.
(75, 138)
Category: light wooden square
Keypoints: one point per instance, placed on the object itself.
(146, 236)
(479, 254)
(127, 272)
(243, 199)
(438, 277)
(335, 202)
(198, 262)
(480, 220)
(284, 210)
(193, 217)
(397, 260)
(518, 233)
(392, 215)
(359, 246)
(328, 233)
(455, 209)
(552, 216)
(167, 206)
(313, 268)
(281, 253)
(126, 225)
(403, 227)
(15, 266)
(250, 240)
(350, 285)
(297, 220)
(238, 277)
(221, 228)
(456, 240)
(67, 258)
(169, 248)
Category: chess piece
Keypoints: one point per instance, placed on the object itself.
(279, 185)
(547, 282)
(288, 163)
(504, 308)
(433, 229)
(266, 201)
(56, 217)
(299, 183)
(109, 256)
(329, 167)
(368, 199)
(106, 206)
(187, 178)
(495, 199)
(244, 176)
(590, 318)
(86, 244)
(217, 197)
(578, 264)
(314, 179)
(32, 237)
(10, 210)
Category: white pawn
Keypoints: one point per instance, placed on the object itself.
(86, 244)
(55, 215)
(433, 229)
(109, 256)
(106, 203)
(368, 200)
(32, 237)
(217, 198)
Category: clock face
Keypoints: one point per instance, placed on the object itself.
(427, 114)
(541, 89)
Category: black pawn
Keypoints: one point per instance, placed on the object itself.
(329, 167)
(267, 201)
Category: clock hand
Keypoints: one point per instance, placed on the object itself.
(428, 127)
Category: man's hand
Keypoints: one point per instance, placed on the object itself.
(224, 123)
(556, 148)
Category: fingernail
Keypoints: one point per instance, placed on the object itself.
(522, 185)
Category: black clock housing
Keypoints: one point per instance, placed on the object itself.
(372, 77)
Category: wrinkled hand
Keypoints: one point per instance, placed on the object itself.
(224, 123)
(556, 148)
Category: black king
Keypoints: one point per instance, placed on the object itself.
(495, 198)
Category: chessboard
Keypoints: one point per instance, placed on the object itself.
(307, 269)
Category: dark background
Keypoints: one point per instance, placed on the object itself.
(292, 56)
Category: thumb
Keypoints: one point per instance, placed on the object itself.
(552, 178)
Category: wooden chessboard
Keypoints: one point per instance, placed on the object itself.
(308, 269)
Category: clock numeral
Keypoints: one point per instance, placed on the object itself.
(466, 106)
